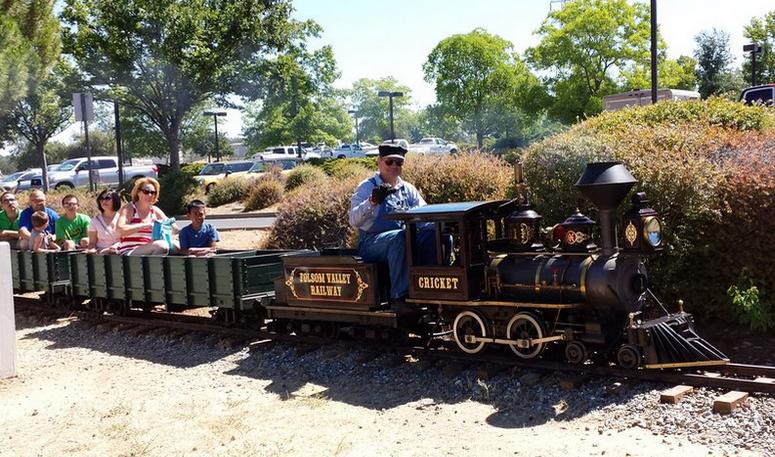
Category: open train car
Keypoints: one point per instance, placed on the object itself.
(237, 284)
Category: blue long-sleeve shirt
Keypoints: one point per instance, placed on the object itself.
(363, 214)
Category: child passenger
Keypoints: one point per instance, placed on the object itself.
(198, 238)
(40, 239)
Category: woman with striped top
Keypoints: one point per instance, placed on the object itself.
(135, 221)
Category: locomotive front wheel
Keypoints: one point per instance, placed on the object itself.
(575, 352)
(524, 326)
(628, 356)
(469, 324)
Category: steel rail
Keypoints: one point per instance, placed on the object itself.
(731, 376)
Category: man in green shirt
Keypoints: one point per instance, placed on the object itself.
(72, 228)
(9, 218)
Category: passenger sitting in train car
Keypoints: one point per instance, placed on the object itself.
(9, 218)
(103, 236)
(135, 222)
(40, 239)
(198, 238)
(381, 240)
(37, 202)
(71, 229)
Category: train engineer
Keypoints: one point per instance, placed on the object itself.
(198, 238)
(381, 240)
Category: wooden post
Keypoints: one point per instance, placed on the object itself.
(7, 323)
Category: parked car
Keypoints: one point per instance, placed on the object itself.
(642, 97)
(284, 152)
(433, 146)
(262, 166)
(21, 180)
(214, 172)
(348, 151)
(104, 170)
(764, 94)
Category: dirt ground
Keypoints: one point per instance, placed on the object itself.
(87, 391)
(242, 239)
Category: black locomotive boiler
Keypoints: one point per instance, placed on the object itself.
(494, 283)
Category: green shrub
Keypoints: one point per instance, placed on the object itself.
(228, 190)
(458, 177)
(335, 167)
(193, 169)
(176, 190)
(265, 192)
(314, 217)
(352, 170)
(751, 311)
(303, 174)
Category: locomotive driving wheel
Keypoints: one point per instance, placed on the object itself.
(469, 325)
(524, 326)
(628, 356)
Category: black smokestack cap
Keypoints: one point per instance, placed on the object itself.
(605, 184)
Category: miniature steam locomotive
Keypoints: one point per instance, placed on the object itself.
(494, 282)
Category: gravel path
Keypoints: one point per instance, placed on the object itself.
(86, 390)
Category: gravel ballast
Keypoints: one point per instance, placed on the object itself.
(86, 390)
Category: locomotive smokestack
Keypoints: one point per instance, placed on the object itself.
(606, 184)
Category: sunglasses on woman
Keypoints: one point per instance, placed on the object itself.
(148, 191)
(106, 198)
(396, 162)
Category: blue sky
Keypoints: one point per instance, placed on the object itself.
(373, 39)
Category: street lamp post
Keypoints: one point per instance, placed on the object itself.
(215, 114)
(390, 95)
(654, 73)
(357, 137)
(753, 48)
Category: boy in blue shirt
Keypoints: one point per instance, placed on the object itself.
(198, 238)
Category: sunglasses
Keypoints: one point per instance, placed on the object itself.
(148, 192)
(9, 200)
(107, 198)
(396, 162)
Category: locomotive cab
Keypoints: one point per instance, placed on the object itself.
(461, 238)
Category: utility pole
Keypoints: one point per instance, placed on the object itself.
(119, 146)
(357, 138)
(390, 95)
(215, 114)
(753, 48)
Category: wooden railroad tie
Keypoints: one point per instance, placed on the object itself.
(726, 403)
(765, 380)
(674, 394)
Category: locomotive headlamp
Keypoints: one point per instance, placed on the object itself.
(641, 227)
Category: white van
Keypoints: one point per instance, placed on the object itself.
(284, 152)
(642, 97)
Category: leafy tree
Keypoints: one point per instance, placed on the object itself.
(164, 57)
(583, 43)
(29, 47)
(374, 111)
(45, 111)
(762, 31)
(673, 74)
(714, 58)
(476, 75)
(300, 103)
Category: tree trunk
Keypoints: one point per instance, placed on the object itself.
(40, 149)
(173, 143)
(479, 139)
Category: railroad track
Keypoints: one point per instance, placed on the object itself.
(731, 377)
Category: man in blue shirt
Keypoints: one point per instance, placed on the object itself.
(382, 240)
(198, 238)
(37, 202)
